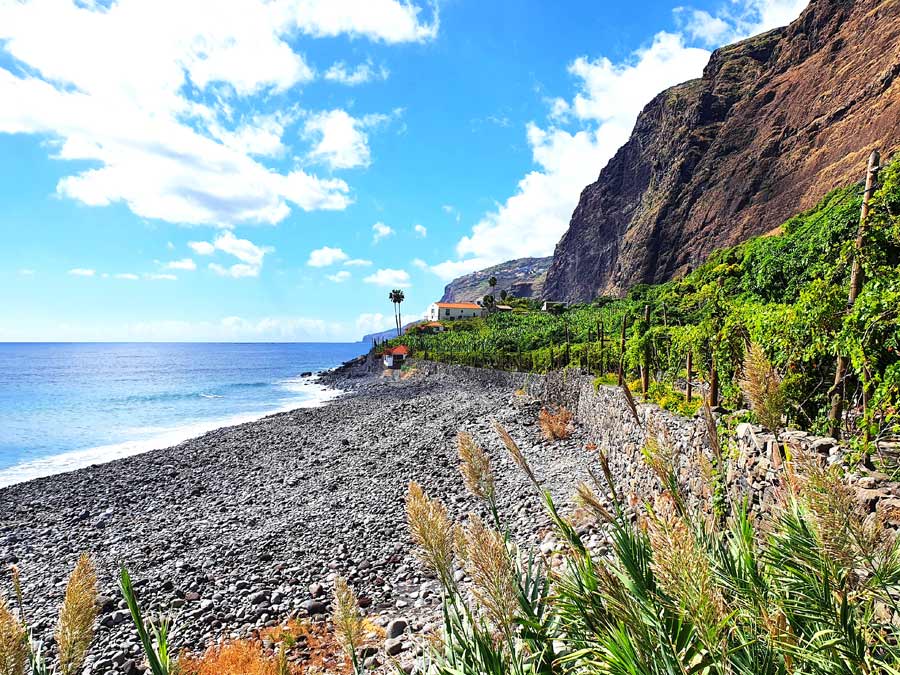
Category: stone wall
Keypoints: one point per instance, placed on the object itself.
(754, 459)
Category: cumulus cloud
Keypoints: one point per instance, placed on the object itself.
(339, 277)
(202, 247)
(340, 140)
(127, 276)
(325, 256)
(608, 99)
(185, 264)
(380, 231)
(582, 133)
(82, 272)
(419, 263)
(250, 255)
(362, 73)
(738, 20)
(358, 262)
(389, 278)
(143, 90)
(420, 231)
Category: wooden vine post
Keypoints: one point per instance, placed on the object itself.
(600, 332)
(645, 357)
(856, 283)
(690, 367)
(622, 352)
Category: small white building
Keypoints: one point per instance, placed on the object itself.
(444, 311)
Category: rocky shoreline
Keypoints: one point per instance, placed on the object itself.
(246, 526)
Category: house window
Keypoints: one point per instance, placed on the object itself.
(446, 312)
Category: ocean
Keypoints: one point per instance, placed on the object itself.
(66, 406)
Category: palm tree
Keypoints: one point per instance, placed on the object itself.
(492, 282)
(396, 296)
(504, 295)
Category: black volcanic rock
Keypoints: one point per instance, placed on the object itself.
(775, 122)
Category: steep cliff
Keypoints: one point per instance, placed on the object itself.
(522, 278)
(775, 122)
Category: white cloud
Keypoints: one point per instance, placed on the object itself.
(451, 210)
(185, 264)
(250, 255)
(419, 263)
(143, 91)
(390, 21)
(420, 230)
(26, 273)
(389, 278)
(82, 272)
(160, 277)
(202, 247)
(362, 73)
(340, 140)
(738, 20)
(339, 277)
(380, 231)
(608, 100)
(325, 256)
(358, 262)
(126, 276)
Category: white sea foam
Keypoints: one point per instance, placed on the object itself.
(162, 437)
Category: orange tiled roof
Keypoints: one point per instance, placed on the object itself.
(399, 350)
(458, 305)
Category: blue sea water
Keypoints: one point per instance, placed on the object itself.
(64, 406)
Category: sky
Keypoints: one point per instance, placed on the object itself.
(268, 170)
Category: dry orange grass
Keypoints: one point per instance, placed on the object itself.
(304, 648)
(241, 657)
(555, 426)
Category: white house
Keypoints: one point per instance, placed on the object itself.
(443, 311)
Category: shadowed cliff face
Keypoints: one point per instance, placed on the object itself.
(775, 122)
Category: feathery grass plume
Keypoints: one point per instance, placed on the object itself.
(432, 531)
(489, 566)
(762, 386)
(239, 657)
(13, 642)
(555, 426)
(660, 457)
(846, 533)
(681, 566)
(586, 497)
(516, 453)
(347, 619)
(75, 628)
(475, 466)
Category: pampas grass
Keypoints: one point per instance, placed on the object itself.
(488, 566)
(348, 620)
(762, 386)
(75, 628)
(13, 642)
(432, 531)
(475, 467)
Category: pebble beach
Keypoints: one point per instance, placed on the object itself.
(247, 526)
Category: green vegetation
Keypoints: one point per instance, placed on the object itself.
(809, 590)
(786, 292)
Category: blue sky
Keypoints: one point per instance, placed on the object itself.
(270, 169)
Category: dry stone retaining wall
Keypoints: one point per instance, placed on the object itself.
(753, 458)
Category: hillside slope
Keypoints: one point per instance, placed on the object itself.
(775, 122)
(523, 278)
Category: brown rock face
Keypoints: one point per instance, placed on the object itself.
(775, 122)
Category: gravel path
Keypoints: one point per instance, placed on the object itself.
(247, 525)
